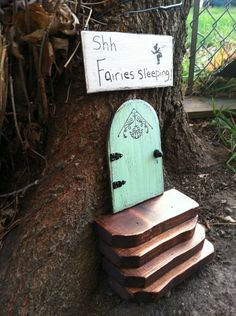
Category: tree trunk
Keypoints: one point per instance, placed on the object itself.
(50, 264)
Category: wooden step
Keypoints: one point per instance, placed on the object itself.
(168, 280)
(136, 256)
(142, 222)
(202, 107)
(154, 269)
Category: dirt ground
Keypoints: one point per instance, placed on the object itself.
(211, 290)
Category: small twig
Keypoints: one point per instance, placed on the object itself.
(41, 52)
(41, 156)
(36, 182)
(7, 206)
(68, 93)
(13, 225)
(223, 219)
(42, 88)
(16, 204)
(46, 32)
(94, 3)
(94, 20)
(41, 81)
(72, 55)
(14, 112)
(22, 77)
(99, 22)
(207, 225)
(89, 16)
(223, 224)
(167, 7)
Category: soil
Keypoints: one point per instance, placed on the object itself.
(211, 290)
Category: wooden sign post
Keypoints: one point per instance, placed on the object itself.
(123, 61)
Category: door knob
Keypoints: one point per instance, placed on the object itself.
(157, 153)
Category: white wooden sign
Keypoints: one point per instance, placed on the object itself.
(123, 61)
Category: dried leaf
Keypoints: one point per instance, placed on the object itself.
(38, 18)
(33, 37)
(221, 57)
(68, 20)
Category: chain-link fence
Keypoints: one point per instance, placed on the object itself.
(213, 42)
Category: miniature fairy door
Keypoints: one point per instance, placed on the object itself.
(135, 155)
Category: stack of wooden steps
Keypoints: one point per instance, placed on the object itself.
(153, 246)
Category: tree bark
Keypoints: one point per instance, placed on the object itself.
(50, 264)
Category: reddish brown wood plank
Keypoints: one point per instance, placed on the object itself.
(154, 269)
(168, 280)
(136, 256)
(139, 224)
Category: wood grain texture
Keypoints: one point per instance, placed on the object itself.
(141, 223)
(168, 280)
(154, 269)
(135, 134)
(124, 61)
(201, 107)
(136, 256)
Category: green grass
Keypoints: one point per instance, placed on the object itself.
(211, 41)
(224, 25)
(225, 123)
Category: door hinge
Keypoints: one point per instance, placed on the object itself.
(115, 156)
(118, 184)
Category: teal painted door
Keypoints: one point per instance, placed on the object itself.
(134, 154)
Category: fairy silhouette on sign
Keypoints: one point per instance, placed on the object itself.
(157, 52)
